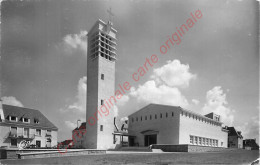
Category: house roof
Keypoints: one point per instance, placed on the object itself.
(32, 114)
(82, 126)
(233, 132)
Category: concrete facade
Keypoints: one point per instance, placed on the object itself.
(100, 85)
(173, 126)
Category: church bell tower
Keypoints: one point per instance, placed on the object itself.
(100, 84)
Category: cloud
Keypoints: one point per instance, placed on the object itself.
(174, 74)
(115, 111)
(74, 42)
(80, 103)
(123, 119)
(217, 103)
(123, 100)
(164, 85)
(70, 125)
(250, 129)
(10, 100)
(149, 92)
(196, 102)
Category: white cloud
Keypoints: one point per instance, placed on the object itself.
(164, 86)
(74, 42)
(123, 100)
(70, 125)
(195, 101)
(149, 92)
(80, 103)
(217, 103)
(123, 119)
(115, 111)
(250, 129)
(10, 100)
(174, 74)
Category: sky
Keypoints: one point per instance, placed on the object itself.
(215, 67)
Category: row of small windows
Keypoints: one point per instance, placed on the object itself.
(199, 118)
(151, 116)
(22, 119)
(195, 140)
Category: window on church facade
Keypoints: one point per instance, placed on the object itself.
(102, 102)
(102, 76)
(161, 115)
(196, 140)
(150, 117)
(199, 140)
(191, 140)
(203, 141)
(101, 127)
(155, 116)
(166, 114)
(172, 114)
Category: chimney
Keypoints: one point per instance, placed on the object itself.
(2, 118)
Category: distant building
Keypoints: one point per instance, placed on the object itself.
(78, 136)
(66, 144)
(250, 144)
(162, 124)
(18, 124)
(235, 139)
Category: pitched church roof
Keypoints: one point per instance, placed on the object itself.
(37, 119)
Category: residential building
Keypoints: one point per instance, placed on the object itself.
(250, 144)
(18, 124)
(235, 139)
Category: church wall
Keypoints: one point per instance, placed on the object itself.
(106, 89)
(92, 103)
(167, 127)
(195, 127)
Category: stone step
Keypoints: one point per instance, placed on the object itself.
(138, 149)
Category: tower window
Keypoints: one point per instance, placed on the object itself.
(166, 114)
(161, 115)
(101, 127)
(102, 102)
(155, 116)
(102, 76)
(172, 114)
(150, 117)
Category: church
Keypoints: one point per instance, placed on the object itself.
(151, 125)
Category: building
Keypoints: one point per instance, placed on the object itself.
(235, 139)
(101, 84)
(171, 125)
(18, 124)
(250, 144)
(77, 136)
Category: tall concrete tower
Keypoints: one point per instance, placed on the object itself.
(100, 84)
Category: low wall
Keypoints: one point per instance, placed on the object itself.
(59, 153)
(185, 148)
(12, 153)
